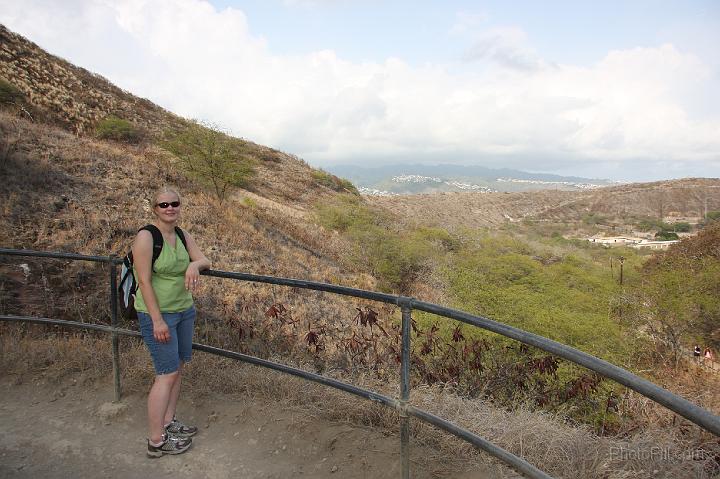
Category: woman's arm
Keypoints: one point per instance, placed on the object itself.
(142, 259)
(198, 262)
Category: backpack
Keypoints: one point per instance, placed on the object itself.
(128, 284)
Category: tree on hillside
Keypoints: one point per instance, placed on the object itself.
(213, 157)
(118, 129)
(666, 235)
(676, 300)
(712, 216)
(9, 93)
(11, 96)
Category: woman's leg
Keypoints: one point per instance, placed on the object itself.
(184, 333)
(167, 367)
(158, 402)
(173, 399)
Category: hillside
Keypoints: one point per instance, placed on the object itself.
(65, 190)
(76, 100)
(681, 287)
(392, 179)
(685, 198)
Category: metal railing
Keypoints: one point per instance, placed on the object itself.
(677, 404)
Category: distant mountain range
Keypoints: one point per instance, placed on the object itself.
(400, 179)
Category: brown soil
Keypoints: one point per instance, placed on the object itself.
(72, 429)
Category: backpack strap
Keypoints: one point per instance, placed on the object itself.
(157, 241)
(181, 234)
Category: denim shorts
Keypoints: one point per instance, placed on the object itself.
(166, 357)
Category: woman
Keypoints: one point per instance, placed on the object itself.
(166, 314)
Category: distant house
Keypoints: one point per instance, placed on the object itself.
(631, 242)
(674, 217)
(615, 240)
(655, 244)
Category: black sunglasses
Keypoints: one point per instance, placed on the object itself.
(165, 204)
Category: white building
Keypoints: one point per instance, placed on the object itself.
(615, 240)
(631, 242)
(655, 244)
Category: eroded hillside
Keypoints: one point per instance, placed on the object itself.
(686, 198)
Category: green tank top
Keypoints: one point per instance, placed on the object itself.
(168, 280)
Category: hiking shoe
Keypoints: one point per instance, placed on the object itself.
(170, 445)
(178, 429)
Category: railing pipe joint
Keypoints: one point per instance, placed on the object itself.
(405, 302)
(403, 406)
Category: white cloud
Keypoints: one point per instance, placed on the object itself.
(467, 22)
(204, 63)
(506, 46)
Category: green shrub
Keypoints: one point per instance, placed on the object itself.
(333, 182)
(117, 129)
(344, 212)
(681, 227)
(594, 219)
(395, 259)
(558, 288)
(438, 238)
(9, 93)
(212, 157)
(249, 203)
(647, 224)
(666, 235)
(268, 155)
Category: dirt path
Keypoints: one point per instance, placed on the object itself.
(73, 430)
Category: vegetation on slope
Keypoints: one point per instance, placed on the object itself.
(213, 157)
(676, 297)
(555, 289)
(561, 289)
(117, 129)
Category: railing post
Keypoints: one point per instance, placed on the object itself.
(405, 391)
(114, 324)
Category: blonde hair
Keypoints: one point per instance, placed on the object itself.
(162, 191)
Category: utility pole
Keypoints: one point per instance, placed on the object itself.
(622, 261)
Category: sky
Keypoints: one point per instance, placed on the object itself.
(624, 90)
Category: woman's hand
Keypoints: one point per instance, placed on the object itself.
(161, 331)
(192, 276)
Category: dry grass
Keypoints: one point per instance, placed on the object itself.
(560, 449)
